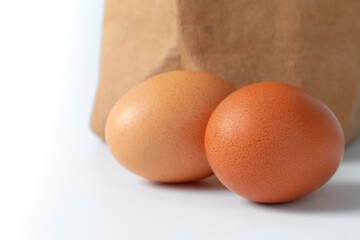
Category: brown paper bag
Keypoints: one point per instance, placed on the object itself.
(311, 44)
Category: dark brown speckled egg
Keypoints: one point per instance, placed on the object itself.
(271, 142)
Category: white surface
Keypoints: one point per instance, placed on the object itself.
(58, 181)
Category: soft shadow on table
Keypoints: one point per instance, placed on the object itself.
(352, 151)
(210, 183)
(334, 197)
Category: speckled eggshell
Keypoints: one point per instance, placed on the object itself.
(271, 142)
(157, 129)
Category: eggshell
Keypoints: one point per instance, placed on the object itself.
(271, 142)
(157, 129)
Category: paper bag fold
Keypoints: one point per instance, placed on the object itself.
(311, 44)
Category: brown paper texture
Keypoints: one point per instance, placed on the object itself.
(311, 44)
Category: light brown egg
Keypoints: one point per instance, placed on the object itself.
(271, 142)
(156, 130)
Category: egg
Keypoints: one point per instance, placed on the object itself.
(272, 142)
(156, 130)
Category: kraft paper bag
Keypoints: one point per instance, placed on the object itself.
(311, 44)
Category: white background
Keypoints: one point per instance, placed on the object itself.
(59, 181)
